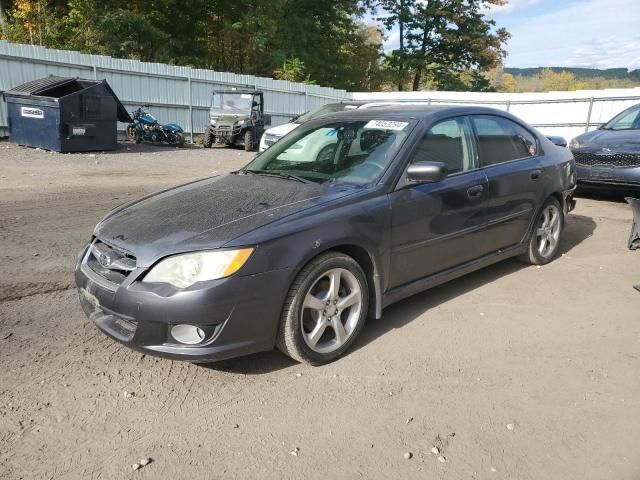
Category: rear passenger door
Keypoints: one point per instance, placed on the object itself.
(436, 226)
(509, 156)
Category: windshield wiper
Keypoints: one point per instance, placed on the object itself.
(274, 173)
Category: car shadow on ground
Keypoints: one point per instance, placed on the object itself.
(256, 364)
(578, 228)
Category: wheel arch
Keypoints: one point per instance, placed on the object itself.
(367, 261)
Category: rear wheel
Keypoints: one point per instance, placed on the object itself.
(208, 139)
(248, 141)
(545, 239)
(325, 310)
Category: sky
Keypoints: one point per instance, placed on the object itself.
(567, 33)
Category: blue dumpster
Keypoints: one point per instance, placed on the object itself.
(65, 114)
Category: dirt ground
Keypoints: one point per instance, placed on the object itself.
(512, 372)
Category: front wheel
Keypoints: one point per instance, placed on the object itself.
(325, 310)
(208, 139)
(248, 141)
(545, 239)
(179, 140)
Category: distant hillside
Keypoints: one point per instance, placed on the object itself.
(581, 73)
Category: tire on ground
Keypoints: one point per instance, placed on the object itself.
(248, 141)
(533, 255)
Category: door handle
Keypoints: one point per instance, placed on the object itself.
(475, 191)
(535, 175)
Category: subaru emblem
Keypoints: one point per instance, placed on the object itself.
(105, 260)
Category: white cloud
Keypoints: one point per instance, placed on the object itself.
(510, 6)
(592, 33)
(392, 42)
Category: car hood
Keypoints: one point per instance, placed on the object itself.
(283, 129)
(624, 141)
(207, 214)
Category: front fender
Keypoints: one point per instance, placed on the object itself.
(360, 224)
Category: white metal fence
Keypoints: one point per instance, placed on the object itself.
(183, 94)
(175, 94)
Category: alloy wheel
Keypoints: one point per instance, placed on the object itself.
(548, 232)
(331, 310)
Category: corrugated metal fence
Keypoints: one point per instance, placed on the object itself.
(183, 94)
(175, 94)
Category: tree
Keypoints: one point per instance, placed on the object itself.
(3, 22)
(293, 70)
(399, 12)
(441, 39)
(508, 83)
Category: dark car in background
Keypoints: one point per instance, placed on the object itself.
(344, 216)
(610, 156)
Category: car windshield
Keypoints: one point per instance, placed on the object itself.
(627, 120)
(324, 110)
(231, 103)
(354, 152)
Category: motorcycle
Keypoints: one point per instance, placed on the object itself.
(146, 127)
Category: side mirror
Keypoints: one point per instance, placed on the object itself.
(427, 172)
(559, 141)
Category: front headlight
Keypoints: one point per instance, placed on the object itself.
(213, 121)
(240, 122)
(184, 270)
(574, 143)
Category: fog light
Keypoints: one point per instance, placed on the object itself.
(187, 334)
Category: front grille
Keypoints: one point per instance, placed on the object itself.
(270, 139)
(110, 264)
(614, 160)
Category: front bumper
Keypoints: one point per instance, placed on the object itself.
(607, 175)
(239, 314)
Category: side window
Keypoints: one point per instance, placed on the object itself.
(501, 140)
(450, 142)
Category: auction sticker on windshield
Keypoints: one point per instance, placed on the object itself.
(386, 124)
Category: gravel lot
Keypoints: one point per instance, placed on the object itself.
(513, 372)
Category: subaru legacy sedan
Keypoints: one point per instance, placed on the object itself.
(344, 216)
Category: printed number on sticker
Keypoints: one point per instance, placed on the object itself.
(386, 124)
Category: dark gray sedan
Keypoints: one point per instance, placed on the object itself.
(610, 156)
(342, 217)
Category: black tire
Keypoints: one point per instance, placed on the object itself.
(208, 139)
(290, 339)
(179, 140)
(248, 141)
(534, 255)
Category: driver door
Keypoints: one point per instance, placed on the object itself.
(437, 226)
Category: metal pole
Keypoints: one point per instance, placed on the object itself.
(190, 108)
(508, 105)
(589, 114)
(95, 72)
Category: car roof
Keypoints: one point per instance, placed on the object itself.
(422, 112)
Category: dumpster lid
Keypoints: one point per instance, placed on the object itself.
(37, 87)
(58, 87)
